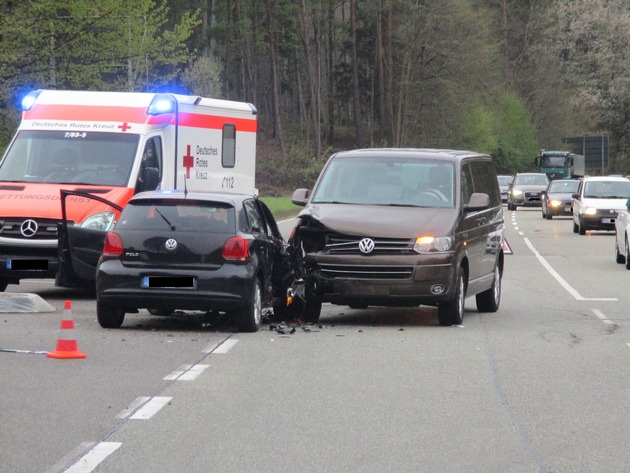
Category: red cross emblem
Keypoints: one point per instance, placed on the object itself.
(124, 126)
(189, 161)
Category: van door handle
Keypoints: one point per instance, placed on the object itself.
(481, 220)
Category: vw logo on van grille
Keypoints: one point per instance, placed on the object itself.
(366, 245)
(171, 244)
(28, 228)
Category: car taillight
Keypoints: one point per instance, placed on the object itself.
(113, 245)
(236, 248)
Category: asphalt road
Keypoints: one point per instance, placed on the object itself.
(543, 385)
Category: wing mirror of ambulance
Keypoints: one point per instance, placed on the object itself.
(478, 201)
(300, 197)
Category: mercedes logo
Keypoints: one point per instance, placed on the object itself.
(366, 245)
(171, 244)
(28, 228)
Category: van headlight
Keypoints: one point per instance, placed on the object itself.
(103, 221)
(428, 244)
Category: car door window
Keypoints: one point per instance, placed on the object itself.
(256, 221)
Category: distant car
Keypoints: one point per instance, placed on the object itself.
(192, 251)
(504, 183)
(598, 201)
(557, 199)
(526, 190)
(622, 236)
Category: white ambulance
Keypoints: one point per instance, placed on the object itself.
(79, 156)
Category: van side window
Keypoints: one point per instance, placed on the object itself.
(484, 179)
(467, 184)
(151, 158)
(228, 158)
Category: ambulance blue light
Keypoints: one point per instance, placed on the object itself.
(29, 100)
(161, 104)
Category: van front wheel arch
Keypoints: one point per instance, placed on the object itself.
(452, 312)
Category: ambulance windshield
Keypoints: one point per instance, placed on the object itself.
(89, 158)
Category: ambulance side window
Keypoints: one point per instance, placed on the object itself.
(151, 158)
(228, 159)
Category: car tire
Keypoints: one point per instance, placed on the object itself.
(627, 245)
(576, 229)
(452, 312)
(109, 316)
(509, 205)
(620, 258)
(249, 318)
(548, 216)
(489, 300)
(582, 227)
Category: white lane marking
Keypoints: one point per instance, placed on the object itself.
(94, 457)
(132, 407)
(210, 348)
(187, 373)
(151, 408)
(576, 295)
(602, 317)
(226, 346)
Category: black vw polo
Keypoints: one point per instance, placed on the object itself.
(192, 251)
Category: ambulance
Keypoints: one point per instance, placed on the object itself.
(79, 156)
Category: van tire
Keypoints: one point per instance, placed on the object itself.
(249, 318)
(452, 312)
(109, 316)
(489, 300)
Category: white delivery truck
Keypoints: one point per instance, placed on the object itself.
(79, 156)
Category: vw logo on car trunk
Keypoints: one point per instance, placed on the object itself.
(366, 245)
(28, 228)
(171, 244)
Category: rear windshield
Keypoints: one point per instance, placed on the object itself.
(178, 215)
(387, 181)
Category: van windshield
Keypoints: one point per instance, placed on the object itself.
(387, 181)
(92, 158)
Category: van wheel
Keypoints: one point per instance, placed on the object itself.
(109, 316)
(452, 312)
(248, 319)
(489, 300)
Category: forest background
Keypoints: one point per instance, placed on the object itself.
(504, 77)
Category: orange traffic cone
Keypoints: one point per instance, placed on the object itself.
(66, 347)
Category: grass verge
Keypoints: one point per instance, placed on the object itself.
(281, 207)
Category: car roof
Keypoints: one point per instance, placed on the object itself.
(224, 197)
(419, 153)
(606, 178)
(531, 174)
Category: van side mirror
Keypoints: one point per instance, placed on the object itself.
(300, 197)
(478, 201)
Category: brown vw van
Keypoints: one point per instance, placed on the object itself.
(401, 227)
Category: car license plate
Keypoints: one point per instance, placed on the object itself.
(608, 220)
(27, 264)
(168, 282)
(567, 209)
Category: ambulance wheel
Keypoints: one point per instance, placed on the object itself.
(109, 316)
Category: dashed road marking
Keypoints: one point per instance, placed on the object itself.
(602, 317)
(94, 457)
(186, 373)
(149, 409)
(132, 407)
(226, 346)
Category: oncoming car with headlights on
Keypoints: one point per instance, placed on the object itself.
(192, 251)
(401, 227)
(557, 199)
(597, 202)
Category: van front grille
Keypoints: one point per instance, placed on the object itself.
(338, 271)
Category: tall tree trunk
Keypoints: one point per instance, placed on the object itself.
(312, 78)
(358, 122)
(389, 72)
(330, 134)
(380, 74)
(270, 6)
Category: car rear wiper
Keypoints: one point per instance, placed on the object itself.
(172, 227)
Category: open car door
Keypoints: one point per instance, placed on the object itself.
(79, 248)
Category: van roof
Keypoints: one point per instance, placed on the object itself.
(420, 153)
